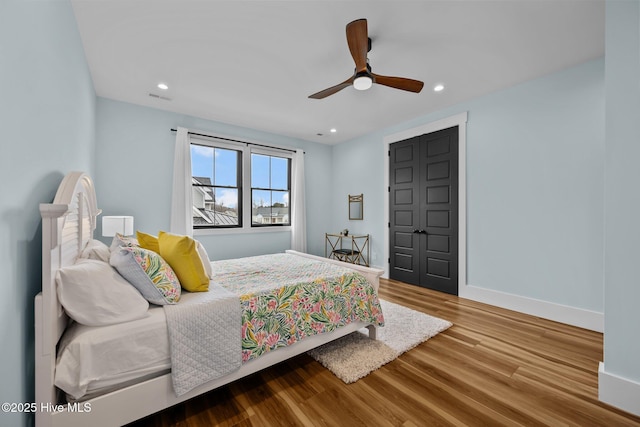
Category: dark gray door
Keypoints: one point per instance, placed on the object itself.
(404, 215)
(423, 204)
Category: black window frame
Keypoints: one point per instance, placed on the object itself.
(213, 186)
(288, 189)
(245, 192)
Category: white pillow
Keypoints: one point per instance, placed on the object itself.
(94, 294)
(204, 257)
(95, 249)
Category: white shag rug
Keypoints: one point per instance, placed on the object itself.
(355, 355)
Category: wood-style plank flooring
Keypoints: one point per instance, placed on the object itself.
(494, 367)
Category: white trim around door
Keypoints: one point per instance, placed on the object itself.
(459, 120)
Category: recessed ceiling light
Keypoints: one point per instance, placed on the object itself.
(163, 86)
(438, 88)
(333, 130)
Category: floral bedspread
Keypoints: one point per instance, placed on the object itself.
(286, 298)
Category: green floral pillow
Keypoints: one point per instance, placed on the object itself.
(148, 273)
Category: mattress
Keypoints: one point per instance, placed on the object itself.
(92, 360)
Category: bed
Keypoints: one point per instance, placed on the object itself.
(67, 227)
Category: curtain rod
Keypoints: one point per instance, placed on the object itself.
(236, 140)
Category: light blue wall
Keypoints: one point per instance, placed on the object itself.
(359, 169)
(134, 166)
(47, 111)
(535, 178)
(534, 187)
(622, 194)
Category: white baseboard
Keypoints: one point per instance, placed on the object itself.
(587, 319)
(582, 318)
(619, 392)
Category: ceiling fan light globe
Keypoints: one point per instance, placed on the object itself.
(362, 82)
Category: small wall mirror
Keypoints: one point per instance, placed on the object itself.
(355, 206)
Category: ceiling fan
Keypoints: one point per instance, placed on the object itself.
(359, 44)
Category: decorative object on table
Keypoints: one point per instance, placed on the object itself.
(355, 207)
(117, 224)
(356, 355)
(345, 232)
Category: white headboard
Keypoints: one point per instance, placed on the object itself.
(67, 225)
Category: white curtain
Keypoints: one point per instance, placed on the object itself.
(181, 197)
(298, 212)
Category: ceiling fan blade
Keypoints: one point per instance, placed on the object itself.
(332, 89)
(398, 83)
(358, 41)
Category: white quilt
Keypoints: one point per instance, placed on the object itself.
(204, 337)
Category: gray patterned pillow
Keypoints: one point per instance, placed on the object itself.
(148, 273)
(120, 240)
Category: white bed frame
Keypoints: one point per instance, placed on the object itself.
(67, 225)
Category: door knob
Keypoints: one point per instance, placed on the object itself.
(416, 231)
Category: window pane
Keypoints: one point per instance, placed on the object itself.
(226, 198)
(215, 206)
(260, 198)
(202, 161)
(280, 199)
(226, 167)
(279, 173)
(226, 206)
(259, 171)
(260, 206)
(280, 207)
(202, 198)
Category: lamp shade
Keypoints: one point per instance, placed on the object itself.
(117, 224)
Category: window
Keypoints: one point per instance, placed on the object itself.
(270, 190)
(216, 186)
(220, 170)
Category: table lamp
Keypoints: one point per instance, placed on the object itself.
(117, 224)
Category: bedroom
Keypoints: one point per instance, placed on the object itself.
(49, 107)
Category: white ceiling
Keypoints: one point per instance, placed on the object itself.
(254, 63)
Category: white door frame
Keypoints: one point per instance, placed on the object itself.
(459, 120)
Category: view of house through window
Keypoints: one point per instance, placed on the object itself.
(270, 189)
(217, 187)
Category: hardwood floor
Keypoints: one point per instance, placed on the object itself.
(494, 367)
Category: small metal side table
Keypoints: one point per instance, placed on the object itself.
(350, 248)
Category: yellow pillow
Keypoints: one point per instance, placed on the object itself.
(181, 252)
(147, 241)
